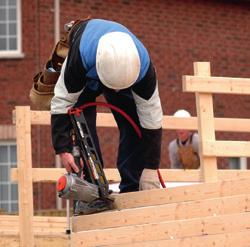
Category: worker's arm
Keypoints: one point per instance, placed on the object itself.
(68, 88)
(173, 155)
(149, 110)
(60, 122)
(65, 98)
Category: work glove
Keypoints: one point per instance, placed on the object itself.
(149, 180)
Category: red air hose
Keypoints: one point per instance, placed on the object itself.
(124, 114)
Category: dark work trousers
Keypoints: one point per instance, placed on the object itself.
(129, 162)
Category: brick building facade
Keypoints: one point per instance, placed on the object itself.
(176, 33)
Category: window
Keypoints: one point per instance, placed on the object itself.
(237, 162)
(10, 28)
(8, 190)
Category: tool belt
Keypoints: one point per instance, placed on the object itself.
(188, 157)
(44, 82)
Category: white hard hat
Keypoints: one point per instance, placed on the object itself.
(117, 60)
(182, 113)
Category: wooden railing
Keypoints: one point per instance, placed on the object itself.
(202, 84)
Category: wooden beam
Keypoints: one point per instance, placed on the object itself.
(38, 232)
(43, 118)
(239, 239)
(52, 174)
(41, 224)
(227, 148)
(166, 212)
(220, 124)
(25, 185)
(40, 241)
(41, 174)
(168, 230)
(183, 193)
(40, 117)
(174, 123)
(112, 174)
(232, 124)
(169, 122)
(206, 130)
(206, 84)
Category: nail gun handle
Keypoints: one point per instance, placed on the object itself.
(77, 159)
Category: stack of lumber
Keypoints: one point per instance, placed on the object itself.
(48, 231)
(205, 214)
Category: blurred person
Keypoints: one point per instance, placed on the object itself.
(184, 150)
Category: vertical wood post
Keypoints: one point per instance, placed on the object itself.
(25, 186)
(205, 113)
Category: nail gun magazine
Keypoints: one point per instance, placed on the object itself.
(75, 186)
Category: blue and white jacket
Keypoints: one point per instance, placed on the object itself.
(79, 72)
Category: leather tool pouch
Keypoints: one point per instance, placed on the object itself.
(44, 82)
(188, 158)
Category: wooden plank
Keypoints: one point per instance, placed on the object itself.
(232, 174)
(112, 174)
(25, 185)
(40, 241)
(206, 84)
(239, 239)
(40, 117)
(183, 193)
(52, 174)
(37, 231)
(227, 148)
(35, 218)
(41, 225)
(169, 122)
(43, 118)
(220, 124)
(159, 213)
(41, 174)
(223, 224)
(174, 123)
(232, 124)
(206, 131)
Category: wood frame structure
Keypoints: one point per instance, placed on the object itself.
(203, 85)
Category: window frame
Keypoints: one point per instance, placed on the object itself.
(9, 201)
(18, 52)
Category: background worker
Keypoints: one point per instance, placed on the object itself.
(184, 150)
(106, 58)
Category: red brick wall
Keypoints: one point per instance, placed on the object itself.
(176, 33)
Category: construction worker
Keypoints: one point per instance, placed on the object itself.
(106, 58)
(184, 150)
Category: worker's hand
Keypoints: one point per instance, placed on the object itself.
(68, 162)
